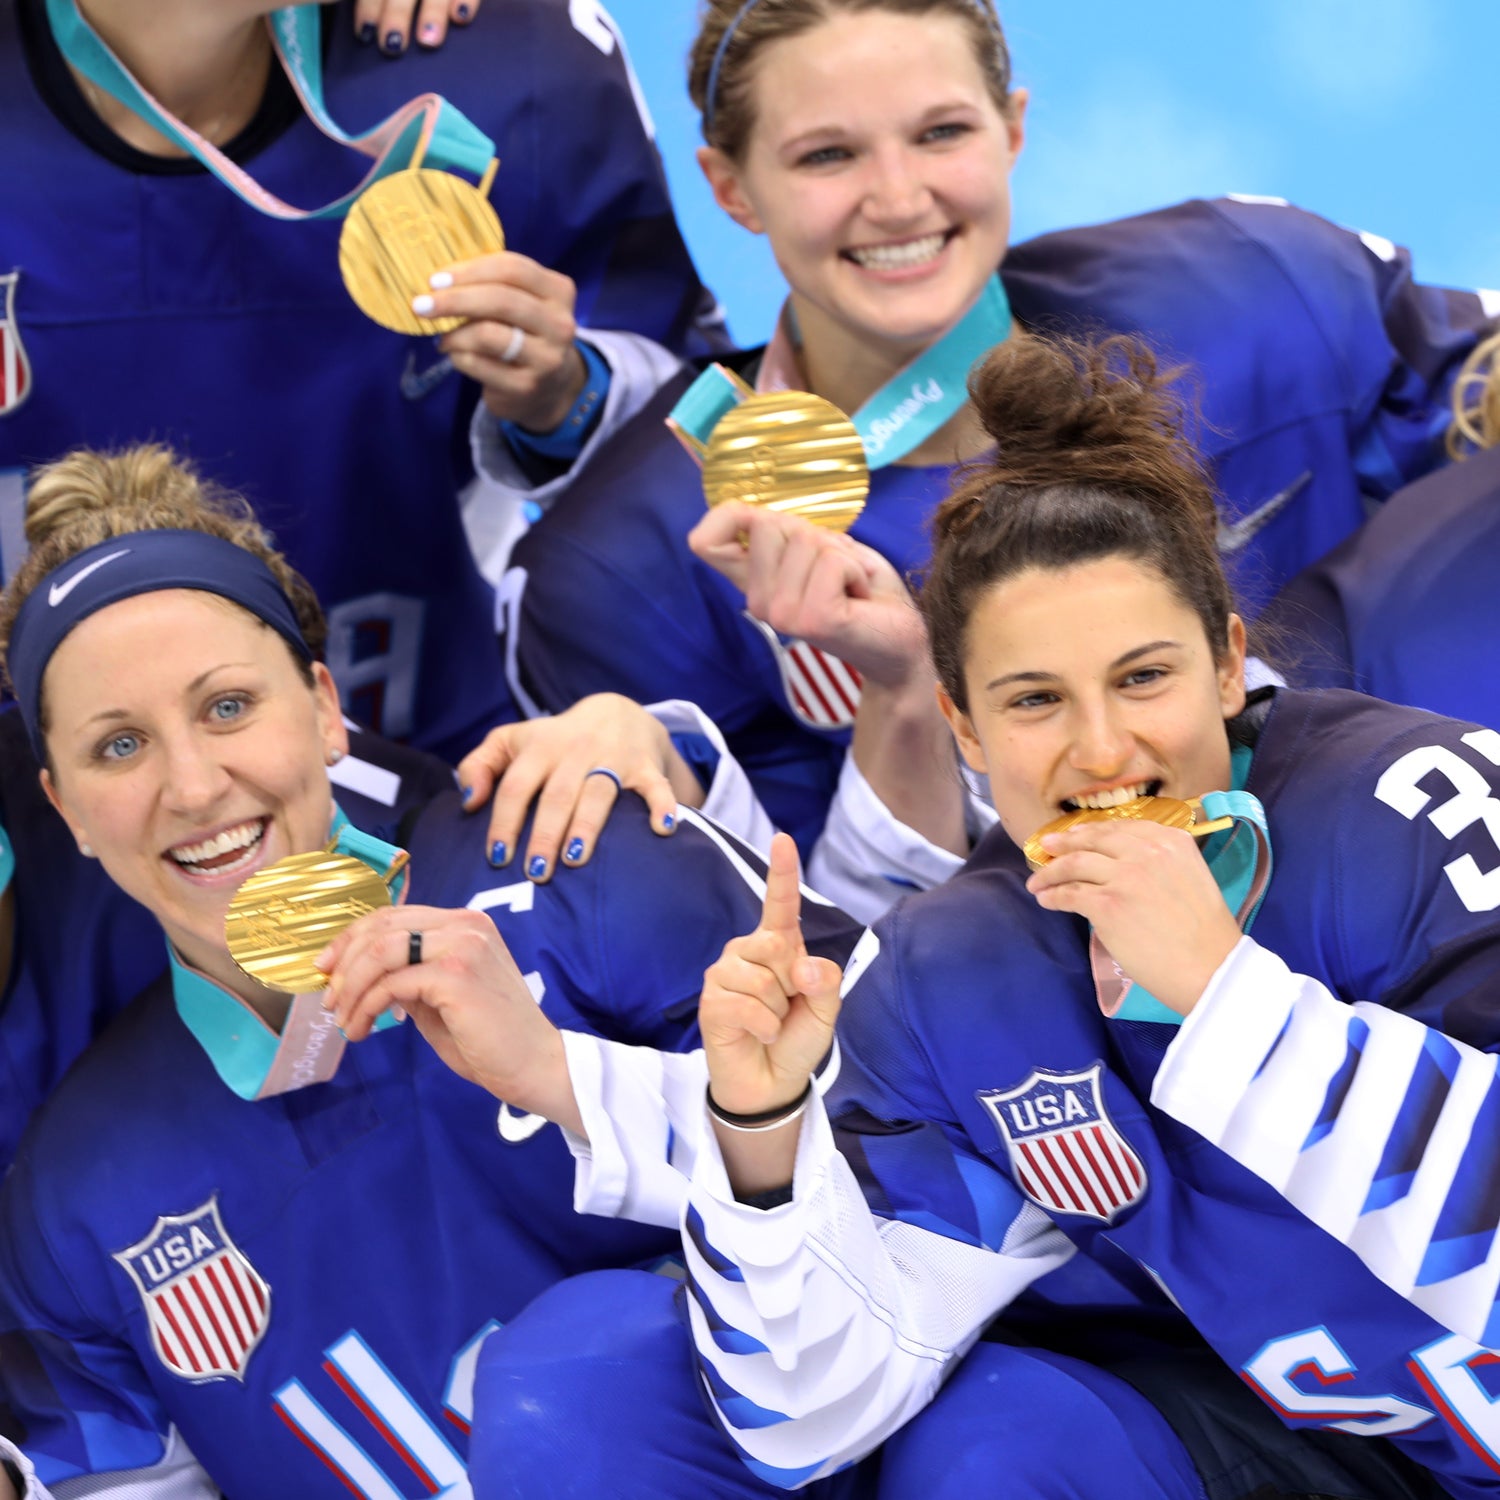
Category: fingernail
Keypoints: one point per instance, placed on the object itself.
(399, 1014)
(367, 33)
(536, 867)
(322, 959)
(422, 305)
(531, 511)
(465, 792)
(498, 852)
(462, 13)
(394, 41)
(668, 823)
(575, 849)
(440, 280)
(428, 34)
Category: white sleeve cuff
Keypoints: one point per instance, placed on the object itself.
(34, 1488)
(642, 1114)
(866, 859)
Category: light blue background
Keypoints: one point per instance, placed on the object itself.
(1380, 114)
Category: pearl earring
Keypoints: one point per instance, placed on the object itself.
(86, 850)
(335, 756)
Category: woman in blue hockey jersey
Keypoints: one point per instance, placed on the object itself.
(1196, 1167)
(175, 1294)
(873, 144)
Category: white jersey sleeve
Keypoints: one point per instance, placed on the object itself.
(178, 1476)
(1381, 1130)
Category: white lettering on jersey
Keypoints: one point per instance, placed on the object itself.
(369, 780)
(1472, 802)
(1314, 1355)
(508, 628)
(1445, 1370)
(591, 20)
(387, 678)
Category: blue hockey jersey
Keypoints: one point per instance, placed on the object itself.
(300, 1284)
(1407, 608)
(83, 949)
(1322, 370)
(1336, 1245)
(151, 303)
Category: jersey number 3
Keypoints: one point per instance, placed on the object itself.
(1473, 801)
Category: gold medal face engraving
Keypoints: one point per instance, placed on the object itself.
(404, 228)
(282, 917)
(789, 451)
(1169, 811)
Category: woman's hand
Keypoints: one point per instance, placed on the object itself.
(767, 1016)
(518, 342)
(819, 586)
(466, 996)
(556, 762)
(393, 22)
(1151, 898)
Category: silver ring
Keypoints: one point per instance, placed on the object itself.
(414, 947)
(605, 771)
(512, 351)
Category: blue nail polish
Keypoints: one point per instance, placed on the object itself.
(465, 792)
(575, 849)
(668, 823)
(367, 33)
(462, 13)
(498, 851)
(531, 511)
(536, 867)
(394, 41)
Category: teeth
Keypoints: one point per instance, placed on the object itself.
(222, 843)
(1114, 797)
(898, 257)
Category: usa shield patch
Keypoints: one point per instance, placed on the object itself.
(208, 1307)
(821, 691)
(1065, 1152)
(15, 368)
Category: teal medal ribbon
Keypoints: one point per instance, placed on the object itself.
(254, 1061)
(905, 411)
(7, 861)
(1240, 860)
(427, 129)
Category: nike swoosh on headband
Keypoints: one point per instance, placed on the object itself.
(60, 591)
(1235, 536)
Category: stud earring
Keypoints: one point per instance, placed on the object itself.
(86, 850)
(334, 756)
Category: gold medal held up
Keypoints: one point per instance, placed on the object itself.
(1170, 811)
(282, 917)
(789, 451)
(405, 227)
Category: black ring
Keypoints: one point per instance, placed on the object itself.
(414, 947)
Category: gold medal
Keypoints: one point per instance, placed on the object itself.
(282, 917)
(789, 451)
(1170, 811)
(405, 227)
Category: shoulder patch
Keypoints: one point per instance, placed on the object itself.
(208, 1307)
(1065, 1153)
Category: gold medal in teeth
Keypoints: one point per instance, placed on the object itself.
(1171, 812)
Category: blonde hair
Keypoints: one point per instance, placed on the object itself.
(727, 116)
(90, 497)
(1476, 401)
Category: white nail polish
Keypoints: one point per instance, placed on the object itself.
(440, 280)
(422, 305)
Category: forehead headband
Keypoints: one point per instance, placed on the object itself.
(141, 562)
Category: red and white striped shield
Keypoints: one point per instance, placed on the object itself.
(208, 1307)
(1065, 1152)
(821, 691)
(15, 368)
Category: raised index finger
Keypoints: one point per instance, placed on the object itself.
(782, 911)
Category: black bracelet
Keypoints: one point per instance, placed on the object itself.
(766, 1118)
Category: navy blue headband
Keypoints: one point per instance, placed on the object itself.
(711, 94)
(142, 562)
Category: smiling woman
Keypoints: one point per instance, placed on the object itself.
(177, 1293)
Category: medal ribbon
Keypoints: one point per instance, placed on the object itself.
(428, 128)
(254, 1061)
(1240, 859)
(902, 414)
